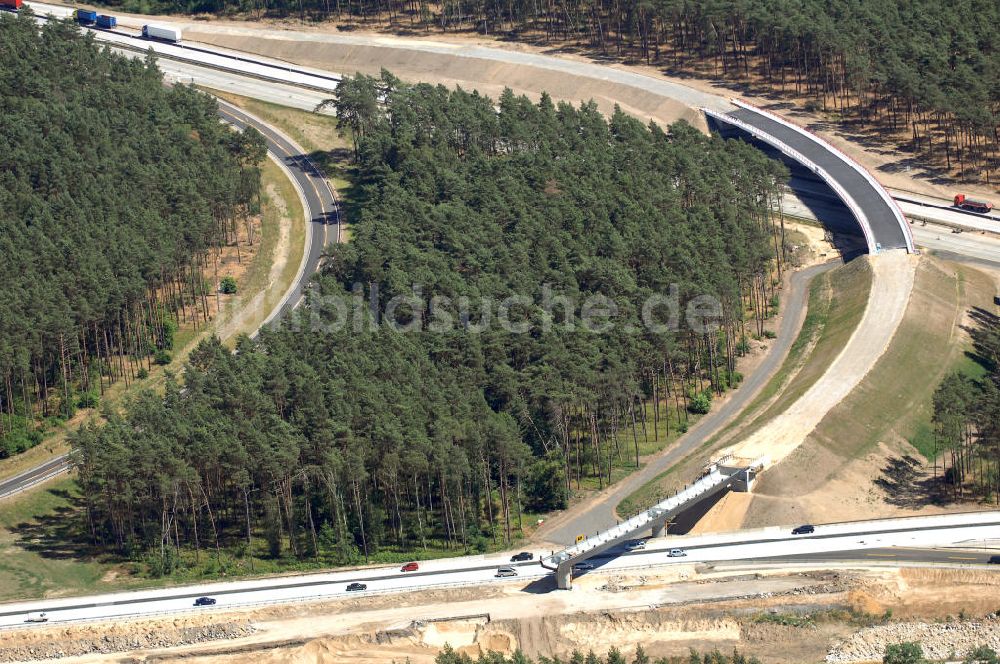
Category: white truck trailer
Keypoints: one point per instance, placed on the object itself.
(163, 34)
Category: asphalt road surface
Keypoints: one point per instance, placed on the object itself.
(41, 473)
(320, 199)
(323, 228)
(920, 539)
(881, 216)
(897, 554)
(301, 88)
(599, 513)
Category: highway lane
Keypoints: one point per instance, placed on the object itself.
(318, 197)
(263, 84)
(42, 473)
(895, 554)
(258, 77)
(936, 209)
(322, 209)
(267, 69)
(877, 541)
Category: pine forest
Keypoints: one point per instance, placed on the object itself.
(426, 427)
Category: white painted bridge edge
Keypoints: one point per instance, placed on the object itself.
(647, 518)
(861, 170)
(808, 163)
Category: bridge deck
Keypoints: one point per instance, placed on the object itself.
(885, 223)
(718, 478)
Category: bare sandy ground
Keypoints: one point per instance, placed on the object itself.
(850, 469)
(667, 611)
(249, 314)
(451, 59)
(892, 281)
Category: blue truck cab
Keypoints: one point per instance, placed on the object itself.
(106, 22)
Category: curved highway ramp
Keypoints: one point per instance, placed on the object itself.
(880, 218)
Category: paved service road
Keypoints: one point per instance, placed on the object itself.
(46, 471)
(599, 513)
(321, 208)
(323, 227)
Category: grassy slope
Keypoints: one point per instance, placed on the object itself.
(33, 560)
(24, 572)
(841, 296)
(894, 399)
(830, 476)
(836, 304)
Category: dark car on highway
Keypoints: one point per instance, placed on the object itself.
(204, 601)
(520, 557)
(352, 587)
(994, 560)
(803, 530)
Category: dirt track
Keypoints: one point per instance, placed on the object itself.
(892, 281)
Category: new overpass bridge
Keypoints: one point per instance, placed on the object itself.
(724, 475)
(880, 218)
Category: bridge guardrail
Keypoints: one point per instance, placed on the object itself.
(847, 159)
(848, 200)
(645, 518)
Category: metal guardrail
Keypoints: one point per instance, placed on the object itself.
(217, 67)
(313, 598)
(643, 519)
(852, 163)
(712, 480)
(902, 521)
(808, 163)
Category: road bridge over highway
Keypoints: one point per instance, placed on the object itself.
(723, 475)
(880, 218)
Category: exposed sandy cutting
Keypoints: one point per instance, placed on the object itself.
(892, 281)
(725, 516)
(847, 468)
(668, 614)
(369, 51)
(454, 67)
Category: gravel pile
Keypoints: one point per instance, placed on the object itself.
(939, 640)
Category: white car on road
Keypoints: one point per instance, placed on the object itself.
(635, 545)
